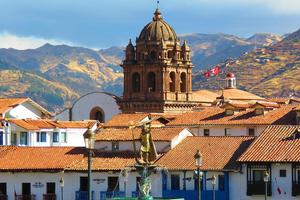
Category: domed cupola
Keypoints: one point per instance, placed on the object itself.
(230, 81)
(157, 30)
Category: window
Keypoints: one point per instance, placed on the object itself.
(24, 138)
(206, 132)
(41, 136)
(63, 137)
(227, 132)
(55, 136)
(151, 82)
(50, 188)
(115, 145)
(1, 137)
(282, 173)
(3, 189)
(112, 184)
(136, 82)
(251, 132)
(172, 82)
(153, 55)
(258, 175)
(83, 183)
(97, 113)
(221, 181)
(26, 189)
(14, 139)
(183, 82)
(175, 182)
(259, 111)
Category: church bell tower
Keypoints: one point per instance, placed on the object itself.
(157, 71)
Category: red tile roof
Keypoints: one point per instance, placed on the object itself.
(36, 124)
(275, 144)
(124, 120)
(125, 134)
(219, 153)
(217, 116)
(7, 104)
(102, 161)
(60, 158)
(38, 158)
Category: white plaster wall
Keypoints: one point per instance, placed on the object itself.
(81, 109)
(72, 183)
(238, 185)
(181, 136)
(220, 130)
(25, 110)
(161, 146)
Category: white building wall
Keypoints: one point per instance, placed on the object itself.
(72, 183)
(238, 185)
(23, 111)
(82, 107)
(220, 130)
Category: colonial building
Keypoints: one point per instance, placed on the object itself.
(157, 71)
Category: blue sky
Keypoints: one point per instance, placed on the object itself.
(103, 23)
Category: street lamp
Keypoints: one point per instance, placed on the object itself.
(266, 179)
(62, 184)
(198, 162)
(89, 140)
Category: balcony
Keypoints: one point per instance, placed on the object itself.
(26, 197)
(49, 196)
(258, 188)
(296, 188)
(83, 195)
(109, 195)
(193, 194)
(3, 197)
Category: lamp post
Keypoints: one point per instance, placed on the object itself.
(198, 162)
(89, 140)
(266, 179)
(62, 184)
(213, 182)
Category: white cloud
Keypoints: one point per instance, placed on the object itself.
(8, 40)
(277, 6)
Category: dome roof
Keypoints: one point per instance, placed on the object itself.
(157, 30)
(230, 75)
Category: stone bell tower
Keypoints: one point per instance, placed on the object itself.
(157, 71)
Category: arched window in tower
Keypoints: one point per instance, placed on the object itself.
(152, 55)
(136, 82)
(97, 114)
(170, 54)
(172, 82)
(151, 85)
(183, 82)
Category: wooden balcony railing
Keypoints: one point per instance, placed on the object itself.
(258, 188)
(3, 197)
(49, 196)
(26, 197)
(296, 188)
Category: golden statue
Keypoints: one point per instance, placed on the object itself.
(148, 152)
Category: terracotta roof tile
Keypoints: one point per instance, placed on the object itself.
(60, 158)
(7, 104)
(237, 94)
(113, 160)
(35, 124)
(219, 153)
(125, 134)
(275, 144)
(217, 116)
(123, 120)
(38, 158)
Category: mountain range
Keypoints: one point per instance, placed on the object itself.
(55, 76)
(271, 71)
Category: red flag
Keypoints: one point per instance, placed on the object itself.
(215, 70)
(207, 74)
